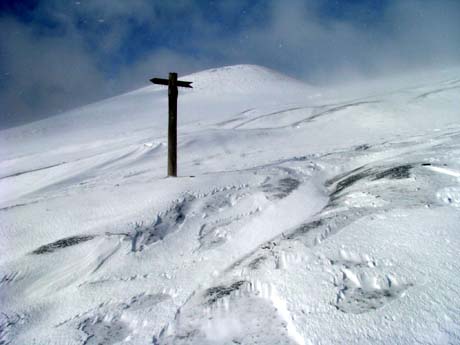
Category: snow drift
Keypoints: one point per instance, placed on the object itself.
(301, 216)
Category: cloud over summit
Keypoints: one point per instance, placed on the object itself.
(56, 55)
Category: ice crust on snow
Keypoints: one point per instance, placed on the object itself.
(301, 216)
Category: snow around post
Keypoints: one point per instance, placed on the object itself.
(313, 216)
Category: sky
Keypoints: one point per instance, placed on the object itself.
(57, 54)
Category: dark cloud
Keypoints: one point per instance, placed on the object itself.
(55, 55)
(41, 72)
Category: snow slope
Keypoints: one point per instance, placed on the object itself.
(301, 216)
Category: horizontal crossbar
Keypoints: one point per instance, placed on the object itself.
(180, 83)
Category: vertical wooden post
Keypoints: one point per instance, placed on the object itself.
(172, 125)
(173, 84)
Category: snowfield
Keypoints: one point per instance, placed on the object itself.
(301, 216)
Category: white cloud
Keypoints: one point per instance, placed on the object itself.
(68, 61)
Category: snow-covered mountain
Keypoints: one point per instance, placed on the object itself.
(301, 216)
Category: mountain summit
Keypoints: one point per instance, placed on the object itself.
(298, 217)
(245, 78)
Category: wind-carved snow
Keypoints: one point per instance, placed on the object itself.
(362, 288)
(301, 216)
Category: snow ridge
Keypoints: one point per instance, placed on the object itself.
(299, 216)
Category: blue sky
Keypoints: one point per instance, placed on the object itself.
(56, 54)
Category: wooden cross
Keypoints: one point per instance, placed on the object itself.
(172, 83)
